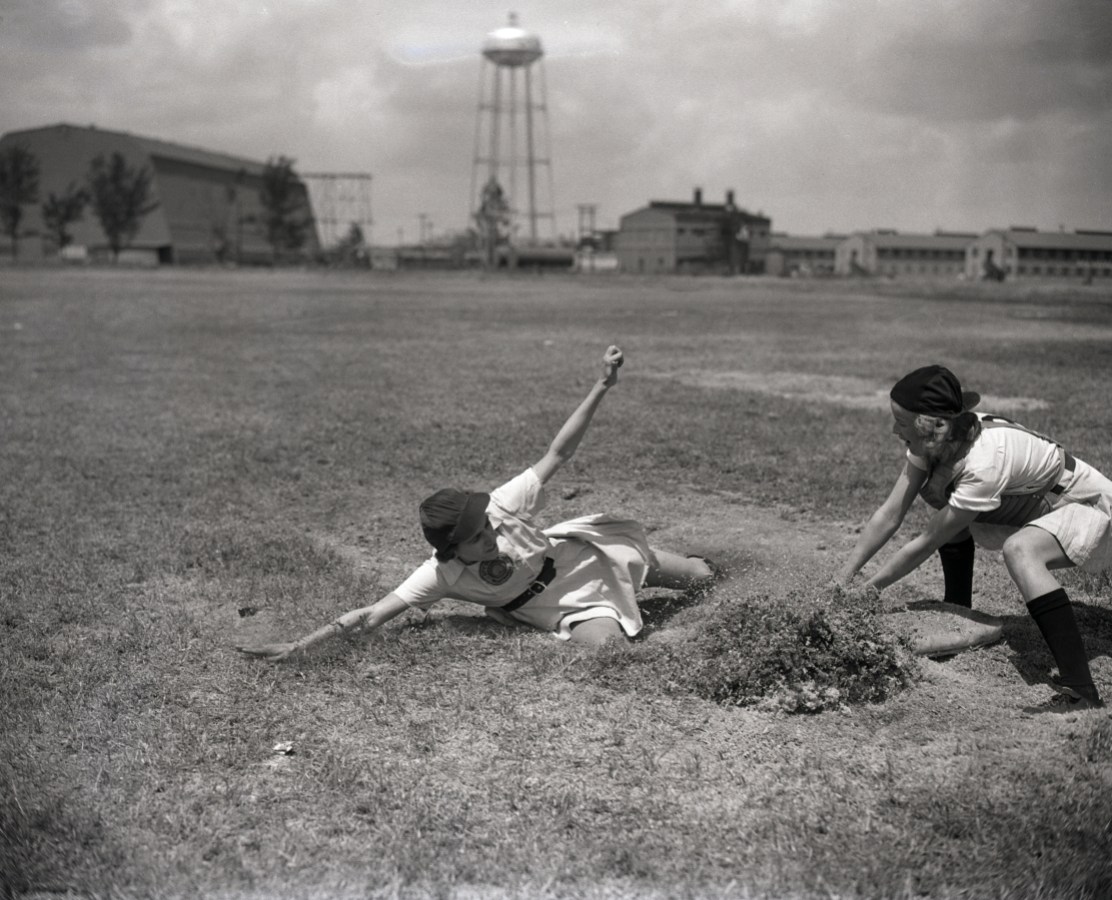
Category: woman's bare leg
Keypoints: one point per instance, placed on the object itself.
(1030, 554)
(670, 570)
(596, 632)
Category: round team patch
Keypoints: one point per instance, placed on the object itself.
(496, 571)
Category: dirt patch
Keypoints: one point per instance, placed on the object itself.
(842, 390)
(1001, 688)
(938, 629)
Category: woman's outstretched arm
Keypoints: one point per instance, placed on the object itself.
(567, 440)
(367, 618)
(885, 522)
(946, 524)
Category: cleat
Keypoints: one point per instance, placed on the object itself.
(1086, 694)
(1064, 703)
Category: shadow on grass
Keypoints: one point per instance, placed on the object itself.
(657, 610)
(1030, 655)
(660, 606)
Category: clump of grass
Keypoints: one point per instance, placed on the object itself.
(800, 653)
(1098, 745)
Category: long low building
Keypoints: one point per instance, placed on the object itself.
(800, 255)
(896, 255)
(208, 204)
(1028, 253)
(998, 254)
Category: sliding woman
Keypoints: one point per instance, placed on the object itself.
(578, 580)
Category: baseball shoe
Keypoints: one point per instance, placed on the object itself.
(1081, 696)
(1063, 703)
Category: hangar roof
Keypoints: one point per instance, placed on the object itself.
(150, 146)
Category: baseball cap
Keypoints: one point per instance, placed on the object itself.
(933, 390)
(451, 517)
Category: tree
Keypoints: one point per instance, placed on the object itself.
(351, 249)
(19, 186)
(59, 212)
(120, 197)
(285, 222)
(492, 221)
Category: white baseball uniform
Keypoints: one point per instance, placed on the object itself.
(1008, 462)
(600, 564)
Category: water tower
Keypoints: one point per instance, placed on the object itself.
(512, 149)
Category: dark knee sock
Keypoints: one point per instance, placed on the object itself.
(957, 570)
(1053, 613)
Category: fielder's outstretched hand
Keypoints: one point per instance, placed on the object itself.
(855, 591)
(612, 360)
(269, 652)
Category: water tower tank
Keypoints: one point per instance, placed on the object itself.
(512, 45)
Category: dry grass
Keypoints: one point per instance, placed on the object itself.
(190, 457)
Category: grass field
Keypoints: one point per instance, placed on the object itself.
(191, 459)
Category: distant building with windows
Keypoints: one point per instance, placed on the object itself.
(692, 237)
(208, 204)
(796, 255)
(896, 255)
(1028, 253)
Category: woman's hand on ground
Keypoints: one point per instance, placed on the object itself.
(854, 591)
(269, 652)
(612, 360)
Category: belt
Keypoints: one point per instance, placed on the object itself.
(543, 580)
(1068, 465)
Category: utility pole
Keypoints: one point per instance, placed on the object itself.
(585, 240)
(586, 221)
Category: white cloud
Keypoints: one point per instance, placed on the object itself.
(827, 114)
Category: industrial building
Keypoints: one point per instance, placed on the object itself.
(1029, 253)
(208, 210)
(896, 255)
(692, 237)
(797, 255)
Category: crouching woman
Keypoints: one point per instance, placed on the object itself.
(996, 483)
(578, 580)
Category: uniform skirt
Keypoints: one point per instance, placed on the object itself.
(1080, 518)
(601, 564)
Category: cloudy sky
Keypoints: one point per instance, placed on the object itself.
(827, 115)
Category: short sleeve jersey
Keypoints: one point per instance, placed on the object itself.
(1003, 460)
(522, 547)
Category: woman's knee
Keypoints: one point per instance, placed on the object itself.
(1029, 547)
(1016, 551)
(596, 632)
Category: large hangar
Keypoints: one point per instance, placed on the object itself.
(208, 210)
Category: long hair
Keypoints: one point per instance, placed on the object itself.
(947, 438)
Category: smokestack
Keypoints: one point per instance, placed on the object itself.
(698, 196)
(729, 198)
